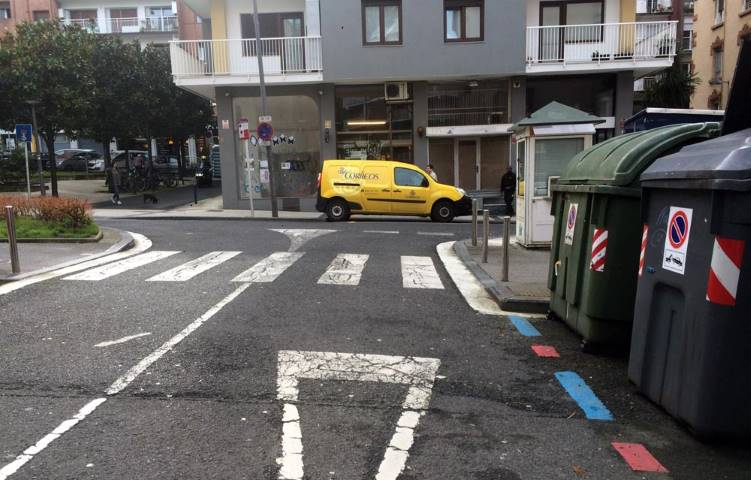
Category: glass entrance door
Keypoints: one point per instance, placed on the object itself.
(293, 50)
(551, 39)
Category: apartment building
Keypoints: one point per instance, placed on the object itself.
(719, 27)
(13, 12)
(419, 81)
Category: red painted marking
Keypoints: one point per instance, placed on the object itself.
(638, 457)
(724, 271)
(545, 351)
(599, 250)
(643, 253)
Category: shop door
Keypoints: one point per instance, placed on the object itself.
(467, 164)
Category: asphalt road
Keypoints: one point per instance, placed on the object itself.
(293, 372)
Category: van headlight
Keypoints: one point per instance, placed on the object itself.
(461, 191)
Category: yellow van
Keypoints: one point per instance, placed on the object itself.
(377, 187)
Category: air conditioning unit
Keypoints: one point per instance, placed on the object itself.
(396, 91)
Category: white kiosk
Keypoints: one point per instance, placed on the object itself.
(545, 142)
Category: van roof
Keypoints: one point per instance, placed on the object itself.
(385, 163)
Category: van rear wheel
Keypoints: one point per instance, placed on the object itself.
(443, 211)
(337, 210)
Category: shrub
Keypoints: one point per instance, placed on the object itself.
(72, 212)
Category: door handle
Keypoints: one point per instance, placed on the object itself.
(397, 191)
(385, 190)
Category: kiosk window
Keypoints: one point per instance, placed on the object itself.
(409, 178)
(551, 157)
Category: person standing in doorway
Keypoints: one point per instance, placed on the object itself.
(116, 183)
(508, 189)
(431, 172)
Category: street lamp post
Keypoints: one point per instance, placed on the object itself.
(42, 188)
(262, 85)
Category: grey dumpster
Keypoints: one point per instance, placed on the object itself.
(690, 348)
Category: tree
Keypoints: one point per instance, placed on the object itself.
(51, 63)
(673, 88)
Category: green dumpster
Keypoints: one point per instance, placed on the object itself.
(597, 234)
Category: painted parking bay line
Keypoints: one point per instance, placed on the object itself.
(419, 272)
(121, 340)
(436, 234)
(188, 270)
(269, 269)
(524, 326)
(578, 390)
(638, 457)
(387, 232)
(112, 269)
(346, 269)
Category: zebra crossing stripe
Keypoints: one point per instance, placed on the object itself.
(346, 269)
(599, 250)
(419, 272)
(269, 269)
(188, 270)
(112, 269)
(725, 271)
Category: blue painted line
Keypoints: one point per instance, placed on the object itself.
(593, 408)
(524, 327)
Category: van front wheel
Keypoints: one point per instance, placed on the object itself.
(443, 211)
(337, 210)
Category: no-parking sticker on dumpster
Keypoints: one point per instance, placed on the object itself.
(676, 240)
(568, 238)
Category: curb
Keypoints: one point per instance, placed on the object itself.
(126, 242)
(502, 295)
(93, 239)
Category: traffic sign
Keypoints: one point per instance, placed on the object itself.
(23, 132)
(243, 129)
(264, 119)
(265, 131)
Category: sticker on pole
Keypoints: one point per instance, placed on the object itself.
(243, 130)
(568, 238)
(676, 240)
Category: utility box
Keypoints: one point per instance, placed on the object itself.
(595, 249)
(691, 333)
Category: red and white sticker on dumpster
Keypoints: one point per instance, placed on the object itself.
(568, 237)
(676, 239)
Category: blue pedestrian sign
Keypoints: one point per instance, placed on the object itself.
(23, 132)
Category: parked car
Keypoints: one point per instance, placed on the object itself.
(204, 177)
(96, 165)
(74, 159)
(132, 157)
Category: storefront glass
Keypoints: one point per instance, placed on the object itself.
(296, 153)
(369, 128)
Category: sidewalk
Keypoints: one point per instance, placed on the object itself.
(526, 290)
(39, 257)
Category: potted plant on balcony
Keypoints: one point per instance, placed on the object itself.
(599, 57)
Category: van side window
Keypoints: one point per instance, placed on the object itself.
(409, 178)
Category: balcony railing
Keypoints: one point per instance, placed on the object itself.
(127, 25)
(281, 56)
(596, 44)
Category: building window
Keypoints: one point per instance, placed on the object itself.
(719, 11)
(40, 15)
(381, 22)
(463, 20)
(746, 5)
(458, 103)
(716, 66)
(4, 10)
(687, 40)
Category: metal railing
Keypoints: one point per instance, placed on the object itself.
(467, 107)
(281, 56)
(600, 43)
(126, 25)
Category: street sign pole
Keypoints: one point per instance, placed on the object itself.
(28, 175)
(249, 170)
(50, 155)
(262, 84)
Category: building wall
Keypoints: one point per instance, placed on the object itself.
(23, 11)
(705, 34)
(423, 54)
(188, 24)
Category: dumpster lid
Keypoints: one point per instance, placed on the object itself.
(620, 160)
(720, 163)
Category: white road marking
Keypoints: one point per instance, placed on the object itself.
(436, 234)
(471, 289)
(299, 236)
(269, 269)
(346, 269)
(112, 269)
(195, 267)
(122, 382)
(419, 272)
(419, 373)
(141, 245)
(388, 232)
(45, 441)
(121, 340)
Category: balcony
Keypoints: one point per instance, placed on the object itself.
(235, 62)
(127, 25)
(642, 47)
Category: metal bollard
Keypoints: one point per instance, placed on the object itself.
(506, 235)
(475, 206)
(9, 221)
(485, 234)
